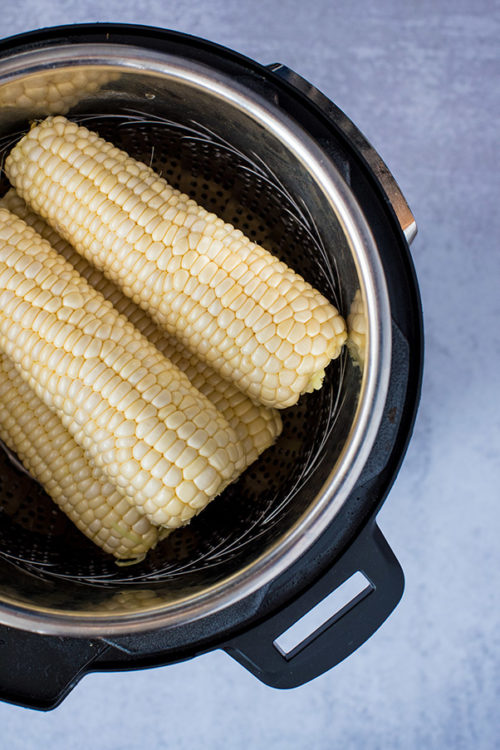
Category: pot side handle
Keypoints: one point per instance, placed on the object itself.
(259, 651)
(361, 144)
(38, 671)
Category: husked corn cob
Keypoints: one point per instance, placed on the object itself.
(229, 301)
(256, 426)
(164, 445)
(47, 450)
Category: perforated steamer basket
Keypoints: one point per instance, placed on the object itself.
(269, 153)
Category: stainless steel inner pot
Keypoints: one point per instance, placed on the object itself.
(241, 156)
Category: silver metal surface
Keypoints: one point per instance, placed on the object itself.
(286, 147)
(373, 158)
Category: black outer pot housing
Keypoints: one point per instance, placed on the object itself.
(39, 670)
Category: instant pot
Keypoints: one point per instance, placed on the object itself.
(265, 150)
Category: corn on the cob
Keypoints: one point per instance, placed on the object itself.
(229, 301)
(256, 426)
(51, 455)
(159, 440)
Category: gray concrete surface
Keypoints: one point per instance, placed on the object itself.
(421, 79)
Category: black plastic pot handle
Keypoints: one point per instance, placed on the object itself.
(341, 634)
(38, 671)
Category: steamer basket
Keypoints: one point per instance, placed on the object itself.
(264, 151)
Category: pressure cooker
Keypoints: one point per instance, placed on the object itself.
(263, 148)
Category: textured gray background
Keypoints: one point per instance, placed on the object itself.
(421, 79)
